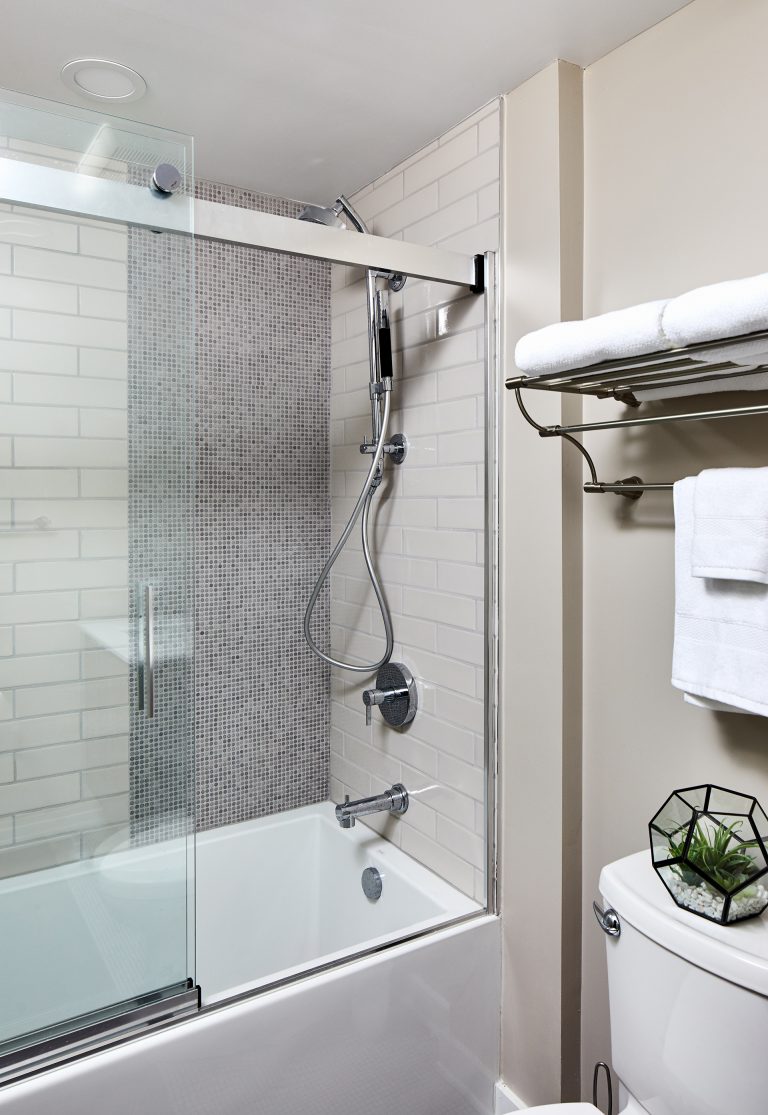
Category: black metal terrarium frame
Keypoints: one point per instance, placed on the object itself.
(706, 812)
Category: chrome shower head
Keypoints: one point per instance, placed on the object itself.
(334, 215)
(322, 215)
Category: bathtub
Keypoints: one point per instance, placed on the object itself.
(293, 1019)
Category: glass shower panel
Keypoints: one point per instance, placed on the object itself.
(96, 743)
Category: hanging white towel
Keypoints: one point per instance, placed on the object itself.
(577, 344)
(720, 310)
(730, 531)
(721, 627)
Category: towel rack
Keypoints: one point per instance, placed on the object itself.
(621, 379)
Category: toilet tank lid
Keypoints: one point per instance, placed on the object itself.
(738, 953)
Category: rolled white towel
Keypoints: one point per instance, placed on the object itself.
(730, 525)
(708, 313)
(634, 331)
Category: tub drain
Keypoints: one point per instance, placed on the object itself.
(372, 883)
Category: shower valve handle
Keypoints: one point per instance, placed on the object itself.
(373, 697)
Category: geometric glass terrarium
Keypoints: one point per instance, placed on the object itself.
(709, 848)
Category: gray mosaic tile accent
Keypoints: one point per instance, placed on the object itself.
(262, 522)
(160, 504)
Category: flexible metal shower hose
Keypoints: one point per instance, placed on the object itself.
(363, 504)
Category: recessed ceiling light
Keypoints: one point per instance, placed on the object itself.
(104, 80)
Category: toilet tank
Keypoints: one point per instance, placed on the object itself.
(689, 1001)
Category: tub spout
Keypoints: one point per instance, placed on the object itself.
(393, 800)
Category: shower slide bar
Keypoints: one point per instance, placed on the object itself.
(81, 195)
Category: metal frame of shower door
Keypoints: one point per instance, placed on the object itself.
(81, 195)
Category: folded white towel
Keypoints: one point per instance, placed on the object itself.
(711, 706)
(720, 310)
(730, 529)
(721, 627)
(577, 344)
(746, 352)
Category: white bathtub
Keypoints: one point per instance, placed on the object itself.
(281, 894)
(412, 1028)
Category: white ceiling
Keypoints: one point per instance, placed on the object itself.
(307, 98)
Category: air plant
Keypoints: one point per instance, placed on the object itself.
(719, 853)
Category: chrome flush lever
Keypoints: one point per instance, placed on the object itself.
(608, 920)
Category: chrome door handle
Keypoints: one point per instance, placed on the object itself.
(608, 920)
(148, 663)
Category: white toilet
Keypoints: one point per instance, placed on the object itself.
(689, 1004)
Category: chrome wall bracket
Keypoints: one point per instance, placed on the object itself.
(396, 448)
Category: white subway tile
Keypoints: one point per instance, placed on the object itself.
(103, 363)
(105, 602)
(34, 233)
(104, 543)
(457, 545)
(6, 322)
(6, 387)
(456, 383)
(464, 777)
(488, 201)
(439, 607)
(468, 646)
(6, 574)
(415, 633)
(446, 672)
(470, 177)
(25, 482)
(101, 423)
(484, 237)
(45, 576)
(6, 831)
(96, 302)
(461, 842)
(467, 514)
(103, 664)
(450, 480)
(380, 197)
(446, 158)
(38, 669)
(41, 762)
(31, 325)
(414, 207)
(5, 259)
(66, 453)
(104, 243)
(6, 768)
(39, 731)
(70, 697)
(446, 222)
(76, 513)
(22, 858)
(29, 356)
(78, 391)
(106, 721)
(6, 641)
(75, 818)
(104, 781)
(6, 455)
(39, 793)
(37, 607)
(489, 132)
(444, 738)
(39, 420)
(463, 711)
(465, 580)
(36, 294)
(448, 866)
(40, 638)
(110, 483)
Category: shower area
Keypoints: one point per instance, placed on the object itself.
(247, 624)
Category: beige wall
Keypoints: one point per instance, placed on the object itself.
(674, 182)
(675, 173)
(542, 283)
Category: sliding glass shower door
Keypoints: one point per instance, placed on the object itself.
(96, 731)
